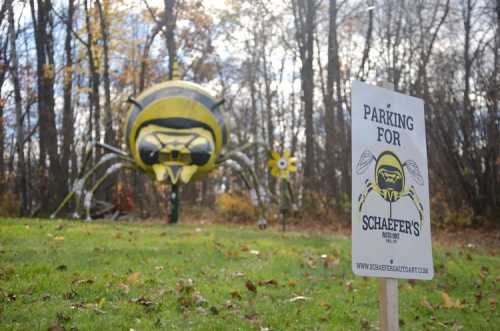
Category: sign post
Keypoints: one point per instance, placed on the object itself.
(391, 235)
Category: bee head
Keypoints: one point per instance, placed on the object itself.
(389, 175)
(174, 154)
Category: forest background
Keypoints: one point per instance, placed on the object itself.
(285, 70)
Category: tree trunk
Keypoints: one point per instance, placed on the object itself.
(170, 21)
(48, 143)
(95, 79)
(330, 143)
(68, 129)
(108, 116)
(21, 169)
(305, 21)
(268, 95)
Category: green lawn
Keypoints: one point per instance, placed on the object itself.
(123, 276)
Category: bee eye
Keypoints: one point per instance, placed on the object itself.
(148, 152)
(200, 154)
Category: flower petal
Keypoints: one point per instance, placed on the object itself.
(275, 172)
(276, 155)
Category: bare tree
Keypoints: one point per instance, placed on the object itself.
(304, 12)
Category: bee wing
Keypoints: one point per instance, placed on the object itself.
(413, 170)
(364, 162)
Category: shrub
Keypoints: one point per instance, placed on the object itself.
(9, 205)
(443, 215)
(236, 206)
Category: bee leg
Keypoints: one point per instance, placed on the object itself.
(369, 187)
(87, 203)
(240, 150)
(412, 194)
(77, 190)
(239, 171)
(249, 176)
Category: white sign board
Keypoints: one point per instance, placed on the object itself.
(391, 231)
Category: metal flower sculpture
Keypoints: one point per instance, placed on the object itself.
(175, 133)
(281, 166)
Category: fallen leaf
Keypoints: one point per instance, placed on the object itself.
(229, 304)
(478, 296)
(59, 238)
(71, 294)
(238, 274)
(62, 317)
(272, 282)
(348, 286)
(310, 262)
(493, 304)
(199, 300)
(424, 302)
(134, 278)
(449, 303)
(365, 324)
(325, 305)
(331, 262)
(236, 295)
(142, 301)
(299, 298)
(255, 252)
(484, 272)
(159, 268)
(253, 317)
(124, 287)
(82, 281)
(251, 286)
(62, 267)
(292, 282)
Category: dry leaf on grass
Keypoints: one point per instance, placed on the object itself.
(134, 278)
(424, 302)
(331, 262)
(251, 286)
(272, 282)
(449, 303)
(300, 298)
(124, 287)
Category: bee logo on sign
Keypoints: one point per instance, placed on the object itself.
(390, 221)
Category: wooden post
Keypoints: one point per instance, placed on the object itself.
(388, 296)
(388, 304)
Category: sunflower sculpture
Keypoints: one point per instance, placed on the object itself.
(281, 166)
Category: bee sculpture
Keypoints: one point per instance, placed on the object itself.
(175, 133)
(390, 181)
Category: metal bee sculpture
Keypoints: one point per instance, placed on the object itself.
(175, 133)
(390, 180)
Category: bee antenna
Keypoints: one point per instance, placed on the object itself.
(131, 100)
(218, 104)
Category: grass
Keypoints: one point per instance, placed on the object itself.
(122, 276)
